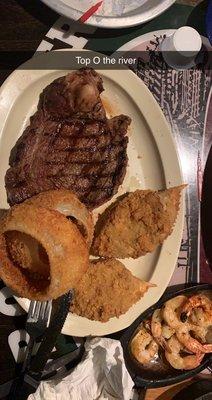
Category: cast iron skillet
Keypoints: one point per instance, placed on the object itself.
(153, 376)
(201, 390)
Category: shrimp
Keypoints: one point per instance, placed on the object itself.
(193, 345)
(167, 332)
(200, 332)
(201, 302)
(183, 329)
(170, 311)
(177, 361)
(147, 325)
(201, 318)
(159, 331)
(156, 327)
(143, 346)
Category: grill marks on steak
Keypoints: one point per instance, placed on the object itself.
(70, 144)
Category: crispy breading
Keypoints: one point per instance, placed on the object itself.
(64, 245)
(138, 223)
(107, 289)
(27, 253)
(68, 204)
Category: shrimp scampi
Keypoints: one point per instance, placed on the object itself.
(170, 311)
(181, 328)
(178, 361)
(143, 346)
(198, 317)
(191, 344)
(196, 302)
(160, 331)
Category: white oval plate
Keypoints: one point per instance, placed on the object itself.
(153, 164)
(113, 13)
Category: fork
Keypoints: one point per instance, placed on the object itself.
(37, 322)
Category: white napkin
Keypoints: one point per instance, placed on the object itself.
(101, 375)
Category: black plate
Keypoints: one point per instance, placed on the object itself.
(150, 378)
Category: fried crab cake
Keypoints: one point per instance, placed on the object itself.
(138, 223)
(108, 289)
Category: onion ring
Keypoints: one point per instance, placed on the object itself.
(68, 204)
(65, 247)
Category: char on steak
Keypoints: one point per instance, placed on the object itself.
(70, 144)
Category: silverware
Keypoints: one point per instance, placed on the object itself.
(36, 324)
(69, 361)
(30, 378)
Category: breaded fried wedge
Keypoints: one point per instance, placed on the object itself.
(107, 289)
(138, 223)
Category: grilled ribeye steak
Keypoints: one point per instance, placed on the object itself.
(70, 144)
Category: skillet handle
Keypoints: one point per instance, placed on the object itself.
(142, 393)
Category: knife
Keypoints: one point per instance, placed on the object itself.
(29, 381)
